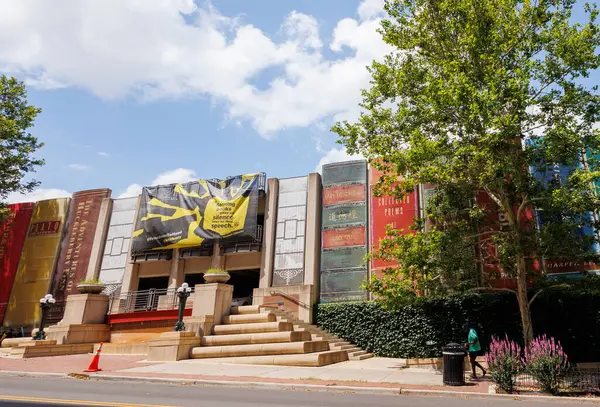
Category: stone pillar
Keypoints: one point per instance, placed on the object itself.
(85, 309)
(83, 321)
(217, 261)
(312, 243)
(97, 252)
(269, 234)
(212, 299)
(176, 274)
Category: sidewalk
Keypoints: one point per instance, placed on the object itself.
(377, 374)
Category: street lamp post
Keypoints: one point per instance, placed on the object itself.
(183, 293)
(45, 304)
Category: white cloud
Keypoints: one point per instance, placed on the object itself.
(103, 154)
(131, 190)
(78, 167)
(176, 176)
(173, 49)
(38, 195)
(336, 155)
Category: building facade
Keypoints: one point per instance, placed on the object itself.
(294, 241)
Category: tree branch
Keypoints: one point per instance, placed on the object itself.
(547, 288)
(508, 290)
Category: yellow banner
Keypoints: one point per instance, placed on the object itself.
(187, 215)
(38, 260)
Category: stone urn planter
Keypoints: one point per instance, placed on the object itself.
(216, 276)
(90, 288)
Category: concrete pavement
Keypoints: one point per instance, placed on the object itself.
(21, 391)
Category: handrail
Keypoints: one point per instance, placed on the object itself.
(292, 299)
(145, 300)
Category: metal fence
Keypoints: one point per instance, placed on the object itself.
(581, 381)
(146, 300)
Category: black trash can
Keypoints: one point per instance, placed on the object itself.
(454, 364)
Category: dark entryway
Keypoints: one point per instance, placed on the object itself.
(194, 279)
(244, 282)
(153, 282)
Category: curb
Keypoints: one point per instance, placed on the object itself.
(487, 396)
(220, 383)
(314, 387)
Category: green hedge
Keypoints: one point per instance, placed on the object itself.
(422, 328)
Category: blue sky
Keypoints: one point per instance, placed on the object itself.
(135, 93)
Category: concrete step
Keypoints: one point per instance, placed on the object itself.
(316, 359)
(342, 343)
(363, 357)
(253, 328)
(249, 318)
(251, 309)
(266, 349)
(255, 338)
(356, 354)
(133, 348)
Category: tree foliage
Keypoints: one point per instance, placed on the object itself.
(17, 145)
(478, 97)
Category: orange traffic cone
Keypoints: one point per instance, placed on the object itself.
(93, 367)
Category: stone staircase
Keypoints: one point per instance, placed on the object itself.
(318, 334)
(259, 335)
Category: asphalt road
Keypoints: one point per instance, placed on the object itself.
(55, 392)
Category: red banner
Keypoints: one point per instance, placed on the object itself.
(76, 246)
(387, 210)
(344, 194)
(13, 231)
(344, 237)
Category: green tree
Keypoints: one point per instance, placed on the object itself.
(17, 145)
(475, 95)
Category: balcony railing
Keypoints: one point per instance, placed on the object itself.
(152, 255)
(146, 300)
(234, 245)
(200, 251)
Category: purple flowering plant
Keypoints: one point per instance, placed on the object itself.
(505, 362)
(546, 361)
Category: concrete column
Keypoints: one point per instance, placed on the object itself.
(217, 261)
(176, 275)
(312, 244)
(269, 234)
(97, 253)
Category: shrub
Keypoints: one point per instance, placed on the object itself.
(216, 271)
(421, 328)
(546, 361)
(505, 363)
(91, 281)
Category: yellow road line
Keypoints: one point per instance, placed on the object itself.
(74, 402)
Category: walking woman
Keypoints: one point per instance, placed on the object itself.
(474, 348)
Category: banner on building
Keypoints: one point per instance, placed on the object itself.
(13, 231)
(118, 240)
(37, 263)
(336, 216)
(389, 210)
(76, 246)
(344, 232)
(290, 233)
(187, 215)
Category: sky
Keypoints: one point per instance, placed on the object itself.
(148, 92)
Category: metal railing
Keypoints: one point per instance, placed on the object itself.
(576, 381)
(233, 245)
(155, 299)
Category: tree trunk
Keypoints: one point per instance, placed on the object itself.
(523, 300)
